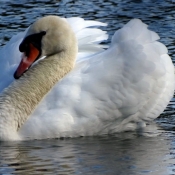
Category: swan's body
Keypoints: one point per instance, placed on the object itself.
(115, 90)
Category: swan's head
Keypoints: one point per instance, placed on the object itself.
(48, 36)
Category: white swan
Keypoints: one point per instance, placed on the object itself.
(114, 90)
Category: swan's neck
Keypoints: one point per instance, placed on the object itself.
(20, 99)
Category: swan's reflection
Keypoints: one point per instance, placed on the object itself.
(125, 153)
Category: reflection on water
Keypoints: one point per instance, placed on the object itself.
(121, 154)
(126, 154)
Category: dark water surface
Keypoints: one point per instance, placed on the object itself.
(122, 154)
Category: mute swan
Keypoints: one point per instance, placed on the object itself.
(119, 89)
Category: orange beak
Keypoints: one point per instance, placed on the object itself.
(31, 48)
(27, 61)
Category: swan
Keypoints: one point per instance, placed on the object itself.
(68, 85)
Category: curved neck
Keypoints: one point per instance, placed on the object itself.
(20, 99)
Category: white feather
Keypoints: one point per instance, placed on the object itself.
(114, 90)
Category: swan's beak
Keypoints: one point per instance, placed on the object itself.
(31, 48)
(27, 60)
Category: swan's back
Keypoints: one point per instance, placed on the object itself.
(116, 90)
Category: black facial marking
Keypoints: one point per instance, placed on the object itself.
(34, 39)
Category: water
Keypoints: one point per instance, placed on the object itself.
(120, 154)
(126, 154)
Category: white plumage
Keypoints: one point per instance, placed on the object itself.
(109, 91)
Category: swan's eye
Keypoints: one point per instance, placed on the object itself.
(43, 32)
